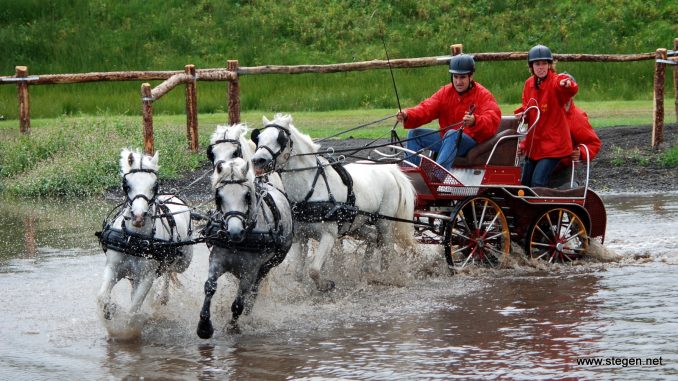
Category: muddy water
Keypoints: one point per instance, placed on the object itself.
(416, 324)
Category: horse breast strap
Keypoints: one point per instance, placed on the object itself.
(331, 210)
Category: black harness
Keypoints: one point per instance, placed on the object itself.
(141, 245)
(321, 211)
(331, 210)
(125, 241)
(272, 240)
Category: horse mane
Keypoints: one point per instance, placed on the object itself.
(302, 139)
(135, 159)
(232, 170)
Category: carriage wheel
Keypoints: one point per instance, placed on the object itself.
(559, 235)
(478, 234)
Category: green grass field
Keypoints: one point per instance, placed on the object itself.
(78, 155)
(79, 129)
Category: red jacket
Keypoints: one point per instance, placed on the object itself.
(581, 133)
(449, 108)
(550, 137)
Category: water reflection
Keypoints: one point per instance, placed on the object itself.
(30, 245)
(28, 228)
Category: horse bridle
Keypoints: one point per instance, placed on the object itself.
(125, 186)
(237, 153)
(244, 217)
(284, 137)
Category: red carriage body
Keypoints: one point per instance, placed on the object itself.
(479, 207)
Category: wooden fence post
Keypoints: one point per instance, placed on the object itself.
(456, 49)
(147, 108)
(24, 101)
(675, 78)
(191, 109)
(233, 94)
(659, 75)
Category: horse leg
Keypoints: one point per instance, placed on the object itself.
(263, 271)
(298, 250)
(370, 249)
(205, 328)
(384, 229)
(243, 300)
(217, 268)
(324, 248)
(140, 289)
(162, 295)
(111, 278)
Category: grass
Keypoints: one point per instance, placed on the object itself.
(75, 36)
(78, 155)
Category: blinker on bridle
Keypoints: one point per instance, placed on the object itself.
(237, 153)
(283, 138)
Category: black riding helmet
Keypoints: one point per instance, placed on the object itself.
(539, 53)
(462, 64)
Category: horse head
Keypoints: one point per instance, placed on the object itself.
(229, 142)
(274, 143)
(140, 183)
(234, 194)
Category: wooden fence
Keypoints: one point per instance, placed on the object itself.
(233, 71)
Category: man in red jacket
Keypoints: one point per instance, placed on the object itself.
(582, 133)
(548, 138)
(467, 114)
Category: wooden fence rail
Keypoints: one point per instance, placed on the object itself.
(231, 73)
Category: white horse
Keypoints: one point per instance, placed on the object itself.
(250, 233)
(143, 242)
(325, 197)
(229, 142)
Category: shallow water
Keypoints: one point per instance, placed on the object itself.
(417, 324)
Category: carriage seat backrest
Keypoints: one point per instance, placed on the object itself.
(504, 154)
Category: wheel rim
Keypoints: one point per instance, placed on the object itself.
(559, 235)
(479, 234)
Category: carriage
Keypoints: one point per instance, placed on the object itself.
(476, 211)
(479, 207)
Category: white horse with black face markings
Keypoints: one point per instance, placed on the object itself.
(249, 234)
(144, 240)
(333, 200)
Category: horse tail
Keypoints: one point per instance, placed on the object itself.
(404, 231)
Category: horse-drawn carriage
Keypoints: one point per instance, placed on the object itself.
(479, 207)
(476, 210)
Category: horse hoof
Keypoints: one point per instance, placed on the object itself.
(205, 329)
(110, 310)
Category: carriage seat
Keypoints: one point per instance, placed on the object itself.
(505, 154)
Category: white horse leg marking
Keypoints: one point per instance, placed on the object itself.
(111, 277)
(295, 254)
(162, 296)
(141, 288)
